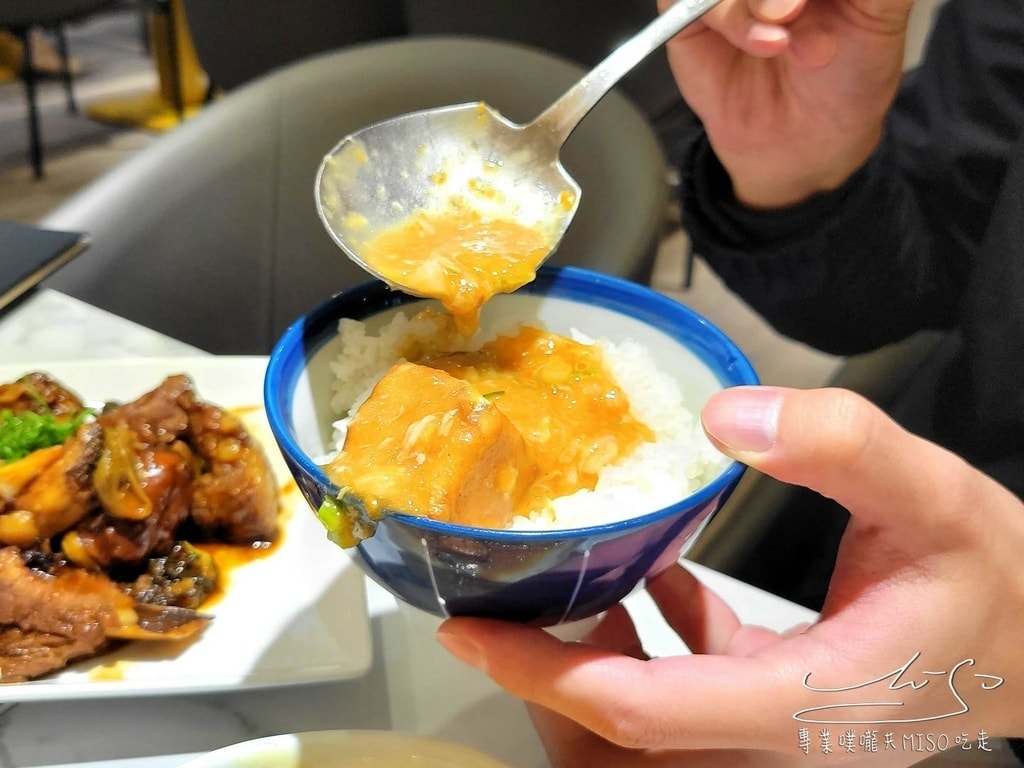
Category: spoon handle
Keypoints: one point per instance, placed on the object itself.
(561, 118)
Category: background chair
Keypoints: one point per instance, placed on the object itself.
(238, 43)
(584, 31)
(209, 234)
(236, 46)
(21, 17)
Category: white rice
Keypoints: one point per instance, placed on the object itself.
(655, 475)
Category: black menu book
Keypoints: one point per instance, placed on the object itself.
(28, 254)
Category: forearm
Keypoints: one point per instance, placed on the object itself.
(845, 271)
(890, 249)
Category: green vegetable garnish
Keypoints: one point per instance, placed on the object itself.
(346, 520)
(23, 433)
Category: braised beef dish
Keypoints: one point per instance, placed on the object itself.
(104, 513)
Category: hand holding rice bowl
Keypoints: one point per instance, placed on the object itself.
(597, 545)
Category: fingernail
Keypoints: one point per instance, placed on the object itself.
(772, 10)
(744, 419)
(464, 650)
(768, 33)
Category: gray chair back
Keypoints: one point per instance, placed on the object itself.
(209, 234)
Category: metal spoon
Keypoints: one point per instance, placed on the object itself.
(468, 154)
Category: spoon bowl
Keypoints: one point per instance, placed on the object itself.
(470, 157)
(466, 155)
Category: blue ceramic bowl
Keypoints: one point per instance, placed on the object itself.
(538, 577)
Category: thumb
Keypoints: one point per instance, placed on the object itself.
(840, 445)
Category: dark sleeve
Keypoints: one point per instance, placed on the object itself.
(1017, 747)
(889, 252)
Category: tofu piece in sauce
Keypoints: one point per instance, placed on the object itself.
(427, 443)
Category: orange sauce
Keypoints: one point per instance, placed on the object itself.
(482, 436)
(428, 444)
(111, 672)
(559, 395)
(460, 257)
(227, 558)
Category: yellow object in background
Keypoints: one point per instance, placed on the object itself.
(10, 56)
(180, 76)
